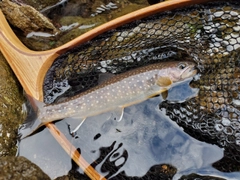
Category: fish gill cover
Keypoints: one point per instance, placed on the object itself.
(206, 33)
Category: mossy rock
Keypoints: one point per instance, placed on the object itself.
(20, 168)
(11, 114)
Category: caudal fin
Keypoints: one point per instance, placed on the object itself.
(32, 122)
(28, 129)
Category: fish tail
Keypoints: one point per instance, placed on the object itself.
(29, 128)
(35, 104)
(32, 122)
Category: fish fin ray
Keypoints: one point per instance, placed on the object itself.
(72, 132)
(164, 81)
(32, 122)
(164, 94)
(34, 103)
(117, 114)
(29, 128)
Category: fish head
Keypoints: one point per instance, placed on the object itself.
(182, 70)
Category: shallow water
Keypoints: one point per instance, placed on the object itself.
(145, 137)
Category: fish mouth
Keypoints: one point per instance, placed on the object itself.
(189, 72)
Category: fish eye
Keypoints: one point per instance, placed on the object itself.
(182, 65)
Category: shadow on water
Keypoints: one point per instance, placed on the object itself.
(146, 144)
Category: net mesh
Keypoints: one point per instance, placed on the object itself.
(206, 33)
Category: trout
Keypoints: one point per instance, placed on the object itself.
(118, 92)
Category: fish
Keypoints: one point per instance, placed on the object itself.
(120, 91)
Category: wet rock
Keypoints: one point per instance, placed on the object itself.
(75, 24)
(11, 115)
(26, 17)
(39, 5)
(20, 168)
(69, 8)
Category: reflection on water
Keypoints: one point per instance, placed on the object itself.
(145, 141)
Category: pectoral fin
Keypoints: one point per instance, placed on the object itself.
(117, 114)
(164, 81)
(164, 94)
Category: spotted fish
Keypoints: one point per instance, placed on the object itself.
(120, 91)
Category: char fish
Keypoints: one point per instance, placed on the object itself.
(118, 92)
